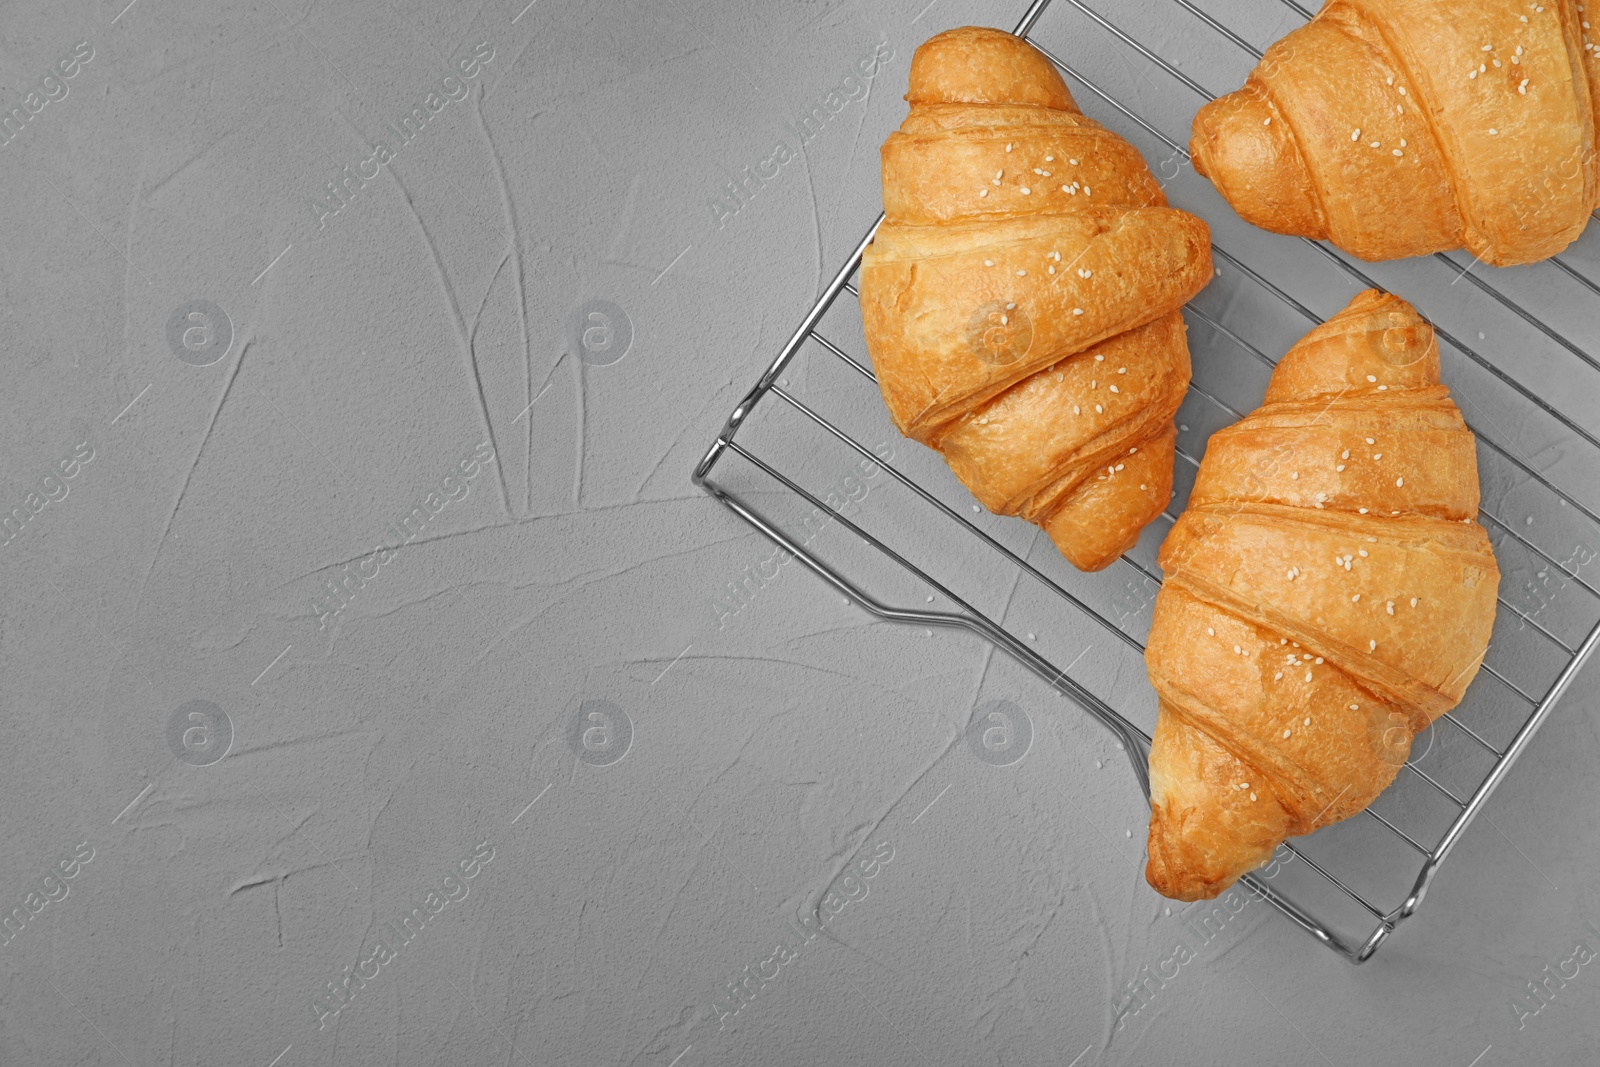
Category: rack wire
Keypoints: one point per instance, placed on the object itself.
(1548, 620)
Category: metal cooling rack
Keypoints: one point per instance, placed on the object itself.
(1376, 867)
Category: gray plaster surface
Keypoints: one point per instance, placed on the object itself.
(375, 687)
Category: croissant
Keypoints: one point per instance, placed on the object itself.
(1402, 127)
(1328, 594)
(1020, 300)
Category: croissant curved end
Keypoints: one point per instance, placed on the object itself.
(975, 65)
(1255, 165)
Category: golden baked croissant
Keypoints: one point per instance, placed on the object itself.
(1328, 594)
(1021, 298)
(1402, 127)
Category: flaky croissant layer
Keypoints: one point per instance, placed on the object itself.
(1402, 127)
(1021, 298)
(1328, 593)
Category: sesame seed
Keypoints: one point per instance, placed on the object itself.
(1252, 796)
(1307, 722)
(1052, 270)
(1212, 630)
(1356, 599)
(1493, 132)
(1049, 159)
(1402, 90)
(1278, 676)
(1372, 377)
(1488, 48)
(1402, 142)
(1119, 465)
(1399, 483)
(1086, 191)
(1294, 476)
(1370, 441)
(1022, 274)
(1523, 88)
(1377, 144)
(1355, 707)
(1372, 646)
(1237, 650)
(1286, 734)
(1075, 311)
(1141, 485)
(1413, 601)
(1124, 370)
(1340, 467)
(1308, 676)
(1008, 148)
(1345, 454)
(1067, 189)
(1355, 134)
(1099, 358)
(988, 263)
(1267, 121)
(1114, 389)
(1363, 511)
(1398, 152)
(1389, 607)
(1319, 659)
(1077, 410)
(1074, 162)
(1099, 410)
(1026, 190)
(982, 193)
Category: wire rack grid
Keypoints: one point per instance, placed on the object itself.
(1535, 457)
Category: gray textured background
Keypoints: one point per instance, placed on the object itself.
(373, 749)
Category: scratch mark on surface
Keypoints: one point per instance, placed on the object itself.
(188, 475)
(508, 209)
(460, 324)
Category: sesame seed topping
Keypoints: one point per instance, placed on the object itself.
(1355, 134)
(1319, 659)
(1286, 734)
(988, 263)
(1389, 607)
(1074, 162)
(1523, 87)
(982, 193)
(1008, 148)
(1049, 159)
(1402, 90)
(1075, 311)
(1026, 190)
(1355, 707)
(1383, 388)
(1345, 454)
(1237, 650)
(1399, 483)
(1493, 132)
(1114, 389)
(1099, 410)
(1052, 270)
(1488, 48)
(1370, 441)
(1340, 467)
(1278, 676)
(1308, 676)
(1363, 511)
(1252, 796)
(1307, 722)
(1398, 152)
(1413, 601)
(1022, 274)
(1212, 630)
(1356, 599)
(1372, 646)
(1086, 191)
(1377, 144)
(1077, 410)
(1294, 476)
(1372, 377)
(1267, 121)
(1099, 358)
